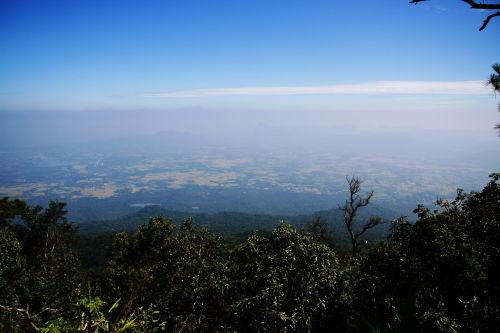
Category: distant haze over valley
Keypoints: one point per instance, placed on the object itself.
(107, 164)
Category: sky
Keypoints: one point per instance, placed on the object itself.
(386, 62)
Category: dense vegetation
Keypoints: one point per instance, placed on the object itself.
(440, 273)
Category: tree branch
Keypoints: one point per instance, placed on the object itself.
(373, 222)
(487, 20)
(26, 314)
(473, 4)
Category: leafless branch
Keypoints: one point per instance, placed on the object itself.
(26, 314)
(475, 5)
(487, 20)
(372, 222)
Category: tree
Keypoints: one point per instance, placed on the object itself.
(9, 209)
(482, 6)
(440, 273)
(285, 283)
(40, 270)
(12, 263)
(350, 211)
(494, 82)
(181, 271)
(12, 279)
(494, 79)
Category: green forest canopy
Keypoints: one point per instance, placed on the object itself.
(438, 274)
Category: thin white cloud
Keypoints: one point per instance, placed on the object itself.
(378, 87)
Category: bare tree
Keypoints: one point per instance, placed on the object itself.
(353, 203)
(318, 228)
(475, 5)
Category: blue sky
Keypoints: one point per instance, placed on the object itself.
(253, 55)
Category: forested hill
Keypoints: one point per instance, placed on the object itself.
(236, 223)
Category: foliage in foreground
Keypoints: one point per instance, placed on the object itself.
(438, 274)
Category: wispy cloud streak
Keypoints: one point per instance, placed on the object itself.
(378, 87)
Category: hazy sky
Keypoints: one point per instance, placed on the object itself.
(387, 57)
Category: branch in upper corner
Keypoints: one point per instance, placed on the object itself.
(475, 5)
(487, 20)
